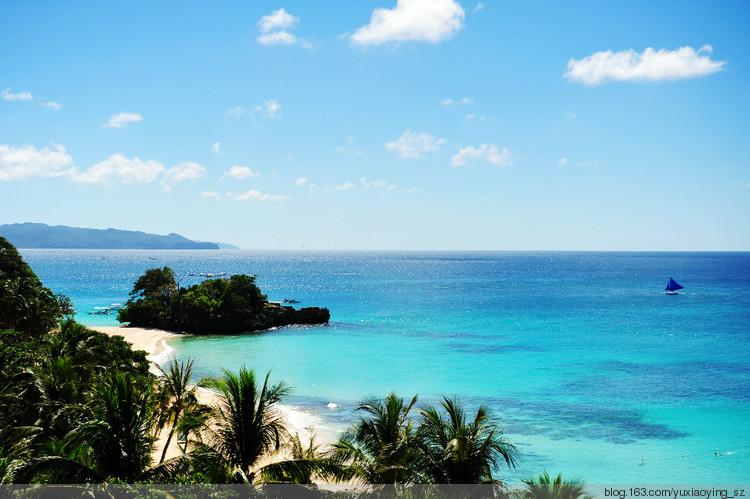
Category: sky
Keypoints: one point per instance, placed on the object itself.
(382, 124)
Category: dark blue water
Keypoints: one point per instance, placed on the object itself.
(593, 370)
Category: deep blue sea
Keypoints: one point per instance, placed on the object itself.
(592, 369)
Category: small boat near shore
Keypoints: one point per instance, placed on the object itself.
(672, 287)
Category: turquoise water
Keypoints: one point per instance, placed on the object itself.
(593, 371)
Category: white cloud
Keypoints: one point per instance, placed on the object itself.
(349, 148)
(211, 194)
(586, 164)
(450, 102)
(121, 119)
(651, 65)
(570, 115)
(343, 187)
(216, 148)
(236, 111)
(254, 195)
(184, 171)
(278, 19)
(487, 152)
(413, 145)
(7, 95)
(479, 7)
(412, 20)
(300, 181)
(278, 38)
(272, 107)
(380, 185)
(412, 190)
(240, 172)
(19, 163)
(55, 106)
(470, 116)
(118, 168)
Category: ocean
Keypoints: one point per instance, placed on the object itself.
(593, 371)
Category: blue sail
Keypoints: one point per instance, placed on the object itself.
(672, 285)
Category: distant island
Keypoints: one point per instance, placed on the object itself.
(215, 306)
(38, 235)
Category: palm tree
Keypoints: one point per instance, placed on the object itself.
(460, 451)
(381, 447)
(542, 487)
(176, 398)
(115, 444)
(247, 425)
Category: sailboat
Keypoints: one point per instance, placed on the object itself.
(672, 287)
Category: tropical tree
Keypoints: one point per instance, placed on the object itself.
(381, 447)
(247, 425)
(459, 450)
(25, 304)
(543, 487)
(177, 400)
(115, 443)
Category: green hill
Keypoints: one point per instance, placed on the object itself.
(34, 235)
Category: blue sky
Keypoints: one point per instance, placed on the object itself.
(383, 124)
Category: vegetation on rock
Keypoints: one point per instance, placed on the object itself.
(215, 306)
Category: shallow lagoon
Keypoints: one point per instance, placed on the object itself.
(593, 371)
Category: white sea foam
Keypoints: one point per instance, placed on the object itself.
(164, 354)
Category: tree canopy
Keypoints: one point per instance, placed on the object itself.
(215, 306)
(26, 305)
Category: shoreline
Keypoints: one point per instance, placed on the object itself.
(155, 343)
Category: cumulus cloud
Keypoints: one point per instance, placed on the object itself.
(650, 65)
(240, 172)
(300, 181)
(278, 19)
(20, 163)
(121, 119)
(255, 195)
(486, 152)
(55, 106)
(216, 148)
(180, 173)
(118, 168)
(8, 95)
(277, 38)
(412, 20)
(414, 145)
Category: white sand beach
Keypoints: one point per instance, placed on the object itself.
(155, 343)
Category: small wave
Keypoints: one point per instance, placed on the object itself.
(164, 354)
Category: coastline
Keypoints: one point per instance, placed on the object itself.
(155, 343)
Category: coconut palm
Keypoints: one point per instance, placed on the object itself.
(542, 487)
(247, 425)
(115, 443)
(176, 399)
(461, 451)
(381, 446)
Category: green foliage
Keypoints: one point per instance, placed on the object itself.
(382, 446)
(543, 487)
(247, 424)
(461, 450)
(25, 305)
(215, 306)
